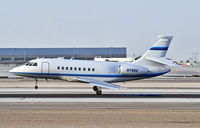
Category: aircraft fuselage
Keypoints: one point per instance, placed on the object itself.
(69, 69)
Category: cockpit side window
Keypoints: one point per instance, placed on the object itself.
(31, 64)
(35, 64)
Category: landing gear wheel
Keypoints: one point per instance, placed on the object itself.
(36, 87)
(98, 92)
(95, 88)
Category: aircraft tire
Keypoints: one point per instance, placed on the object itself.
(98, 92)
(36, 87)
(95, 88)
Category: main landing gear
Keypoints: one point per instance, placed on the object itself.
(36, 87)
(97, 90)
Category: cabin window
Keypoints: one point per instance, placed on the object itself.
(75, 68)
(93, 69)
(62, 68)
(70, 68)
(35, 64)
(66, 68)
(58, 67)
(79, 69)
(88, 69)
(84, 69)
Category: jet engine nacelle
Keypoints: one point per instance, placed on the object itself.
(131, 69)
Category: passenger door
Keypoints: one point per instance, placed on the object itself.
(45, 68)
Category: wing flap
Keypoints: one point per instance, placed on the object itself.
(100, 83)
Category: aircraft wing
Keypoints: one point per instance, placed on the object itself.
(100, 83)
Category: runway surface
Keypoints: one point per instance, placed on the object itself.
(86, 98)
(80, 106)
(152, 93)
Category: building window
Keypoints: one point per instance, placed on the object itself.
(62, 68)
(79, 69)
(66, 68)
(75, 68)
(88, 69)
(70, 68)
(93, 69)
(58, 67)
(83, 69)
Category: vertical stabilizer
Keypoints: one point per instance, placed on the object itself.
(158, 50)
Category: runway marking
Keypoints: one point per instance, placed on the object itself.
(88, 91)
(137, 94)
(95, 100)
(113, 107)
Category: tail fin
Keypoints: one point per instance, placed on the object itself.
(160, 48)
(157, 52)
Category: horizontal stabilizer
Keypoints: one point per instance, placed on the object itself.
(163, 61)
(100, 83)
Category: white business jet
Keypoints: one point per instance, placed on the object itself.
(100, 74)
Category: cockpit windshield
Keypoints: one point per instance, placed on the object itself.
(27, 63)
(31, 64)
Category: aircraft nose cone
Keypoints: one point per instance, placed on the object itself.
(12, 70)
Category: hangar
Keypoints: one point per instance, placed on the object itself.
(22, 55)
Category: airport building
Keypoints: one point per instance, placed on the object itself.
(22, 55)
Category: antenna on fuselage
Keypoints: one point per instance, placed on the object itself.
(72, 58)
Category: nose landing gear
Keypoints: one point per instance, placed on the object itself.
(97, 90)
(36, 87)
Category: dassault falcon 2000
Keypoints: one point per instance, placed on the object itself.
(100, 74)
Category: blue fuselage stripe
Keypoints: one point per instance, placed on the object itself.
(92, 75)
(159, 48)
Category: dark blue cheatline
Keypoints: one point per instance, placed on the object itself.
(159, 48)
(93, 75)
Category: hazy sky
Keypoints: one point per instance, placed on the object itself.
(134, 24)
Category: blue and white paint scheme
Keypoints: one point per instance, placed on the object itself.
(101, 74)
